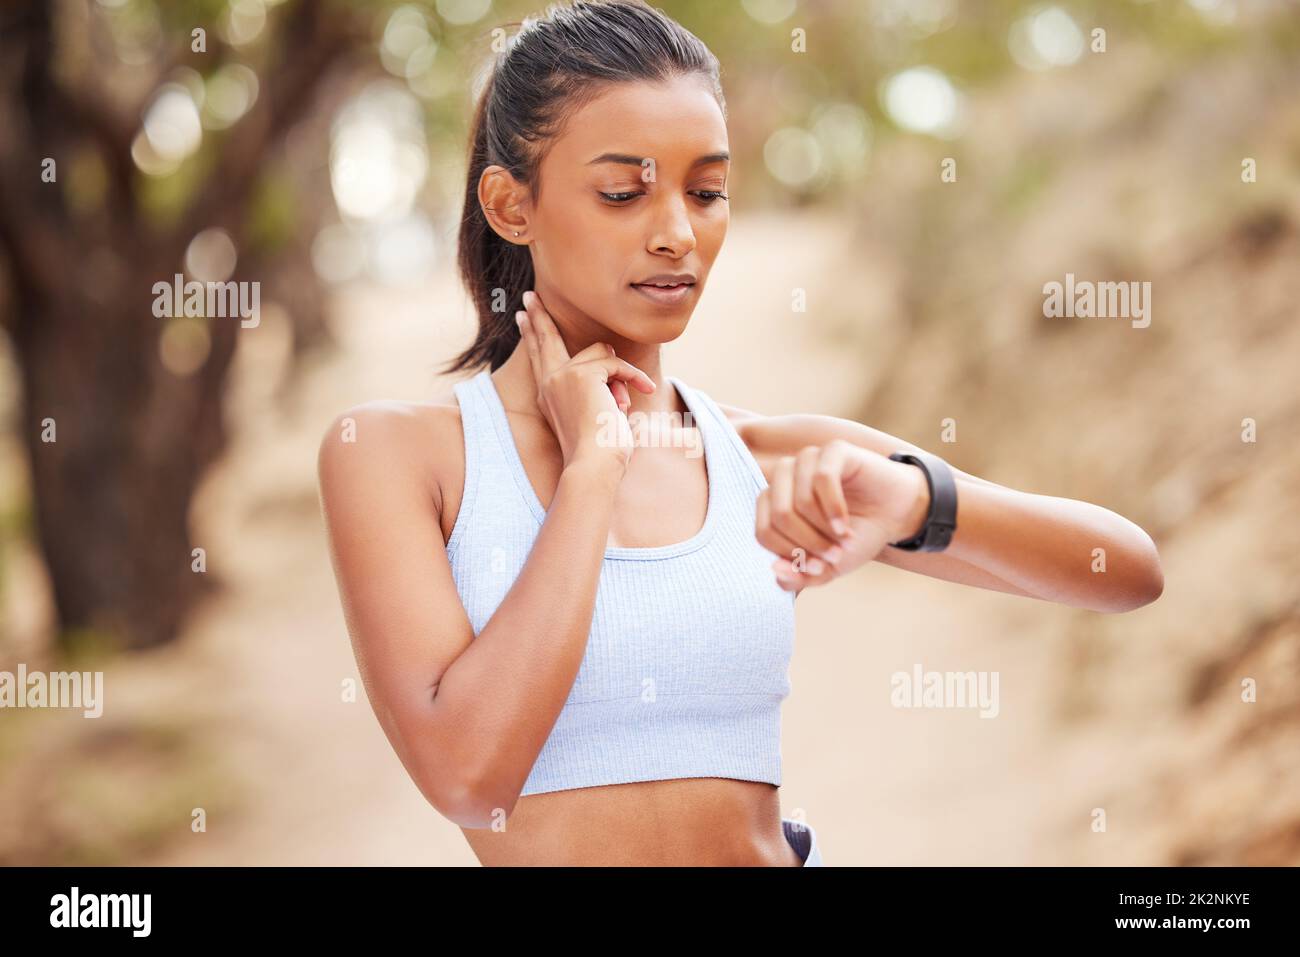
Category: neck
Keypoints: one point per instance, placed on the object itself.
(515, 376)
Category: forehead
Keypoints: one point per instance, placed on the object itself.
(673, 121)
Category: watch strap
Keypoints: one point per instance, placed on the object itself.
(941, 520)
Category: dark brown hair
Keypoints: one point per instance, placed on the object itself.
(549, 69)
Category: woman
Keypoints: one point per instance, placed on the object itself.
(574, 636)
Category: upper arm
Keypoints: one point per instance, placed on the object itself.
(769, 438)
(407, 624)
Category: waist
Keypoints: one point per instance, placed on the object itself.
(686, 822)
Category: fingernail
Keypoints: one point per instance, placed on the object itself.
(519, 319)
(834, 554)
(815, 567)
(838, 525)
(528, 298)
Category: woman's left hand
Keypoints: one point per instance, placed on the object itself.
(833, 507)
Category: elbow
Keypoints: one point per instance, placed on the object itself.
(1156, 588)
(471, 804)
(1153, 574)
(474, 809)
(1136, 597)
(457, 782)
(1146, 584)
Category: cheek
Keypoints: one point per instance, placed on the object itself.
(714, 231)
(588, 255)
(581, 239)
(710, 233)
(584, 271)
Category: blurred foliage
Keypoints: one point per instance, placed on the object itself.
(852, 49)
(275, 211)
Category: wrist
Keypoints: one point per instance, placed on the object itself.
(939, 523)
(595, 473)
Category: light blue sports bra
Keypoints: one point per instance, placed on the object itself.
(688, 655)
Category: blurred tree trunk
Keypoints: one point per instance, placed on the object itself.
(132, 439)
(112, 492)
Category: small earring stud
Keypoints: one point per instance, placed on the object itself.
(516, 232)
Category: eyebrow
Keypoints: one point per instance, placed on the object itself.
(629, 160)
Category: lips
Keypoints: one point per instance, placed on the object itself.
(668, 279)
(669, 295)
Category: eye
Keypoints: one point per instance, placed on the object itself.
(707, 196)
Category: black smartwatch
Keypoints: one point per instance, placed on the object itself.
(941, 520)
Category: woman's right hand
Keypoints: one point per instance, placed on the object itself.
(576, 393)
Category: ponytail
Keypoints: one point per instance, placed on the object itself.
(496, 273)
(550, 68)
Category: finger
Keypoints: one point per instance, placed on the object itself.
(553, 352)
(597, 350)
(788, 584)
(768, 536)
(791, 579)
(613, 367)
(805, 567)
(828, 485)
(619, 388)
(528, 337)
(789, 574)
(785, 518)
(806, 504)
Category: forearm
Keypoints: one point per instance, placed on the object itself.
(497, 702)
(1058, 549)
(1037, 545)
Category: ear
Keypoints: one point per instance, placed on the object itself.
(506, 203)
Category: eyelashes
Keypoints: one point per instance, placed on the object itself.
(707, 196)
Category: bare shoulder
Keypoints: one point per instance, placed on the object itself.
(391, 446)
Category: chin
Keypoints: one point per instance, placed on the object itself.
(654, 330)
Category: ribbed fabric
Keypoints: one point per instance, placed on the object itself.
(687, 659)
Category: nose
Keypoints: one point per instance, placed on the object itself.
(672, 233)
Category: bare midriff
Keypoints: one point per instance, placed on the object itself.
(685, 822)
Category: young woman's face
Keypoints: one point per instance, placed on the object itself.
(604, 223)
